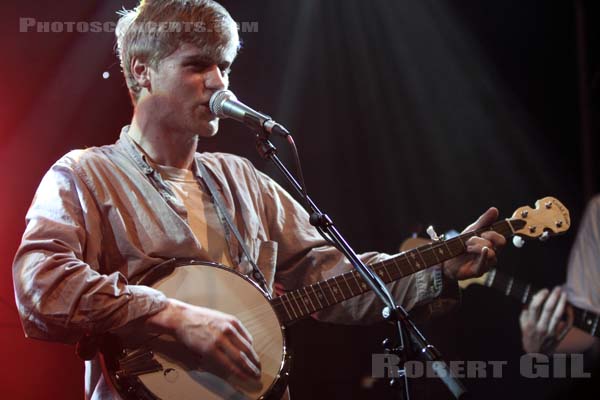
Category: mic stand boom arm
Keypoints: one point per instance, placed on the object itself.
(391, 311)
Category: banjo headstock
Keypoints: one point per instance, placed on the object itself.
(549, 217)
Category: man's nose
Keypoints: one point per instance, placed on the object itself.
(216, 79)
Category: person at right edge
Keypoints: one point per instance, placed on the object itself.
(547, 322)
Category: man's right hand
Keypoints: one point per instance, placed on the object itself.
(223, 344)
(542, 323)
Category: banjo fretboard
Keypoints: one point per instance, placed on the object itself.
(309, 299)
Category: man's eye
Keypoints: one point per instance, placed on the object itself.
(198, 67)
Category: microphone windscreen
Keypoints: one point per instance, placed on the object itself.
(217, 100)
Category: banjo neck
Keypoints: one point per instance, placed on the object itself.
(302, 302)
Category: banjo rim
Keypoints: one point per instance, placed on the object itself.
(132, 388)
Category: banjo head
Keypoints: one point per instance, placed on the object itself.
(171, 372)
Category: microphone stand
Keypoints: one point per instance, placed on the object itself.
(391, 311)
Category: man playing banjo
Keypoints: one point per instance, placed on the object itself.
(102, 216)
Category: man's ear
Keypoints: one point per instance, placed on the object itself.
(141, 72)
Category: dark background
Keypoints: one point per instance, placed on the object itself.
(406, 113)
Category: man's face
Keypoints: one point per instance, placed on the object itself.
(183, 84)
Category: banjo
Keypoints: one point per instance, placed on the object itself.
(157, 367)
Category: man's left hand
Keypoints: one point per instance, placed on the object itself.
(481, 250)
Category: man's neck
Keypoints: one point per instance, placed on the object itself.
(164, 147)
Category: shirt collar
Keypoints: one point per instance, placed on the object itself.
(138, 157)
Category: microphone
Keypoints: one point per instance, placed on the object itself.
(224, 104)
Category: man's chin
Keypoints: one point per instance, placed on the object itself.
(209, 129)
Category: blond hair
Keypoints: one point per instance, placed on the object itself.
(156, 28)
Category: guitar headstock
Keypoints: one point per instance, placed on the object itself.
(549, 217)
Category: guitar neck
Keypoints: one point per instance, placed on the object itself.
(585, 320)
(309, 299)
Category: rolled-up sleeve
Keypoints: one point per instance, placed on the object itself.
(60, 292)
